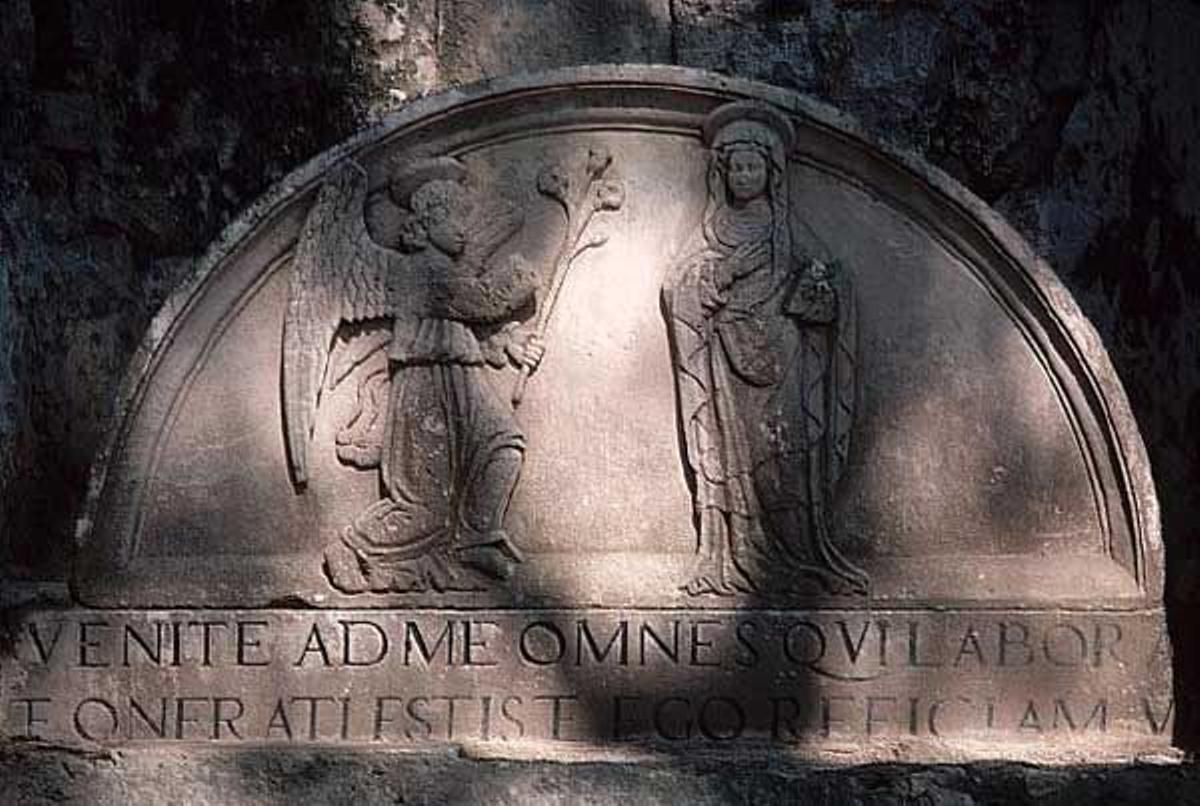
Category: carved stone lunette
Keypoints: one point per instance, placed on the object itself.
(992, 427)
(691, 462)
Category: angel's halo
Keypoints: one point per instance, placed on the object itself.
(411, 177)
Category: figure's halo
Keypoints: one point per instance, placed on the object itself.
(411, 177)
(739, 121)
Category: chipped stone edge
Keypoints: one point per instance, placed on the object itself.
(929, 753)
(1116, 408)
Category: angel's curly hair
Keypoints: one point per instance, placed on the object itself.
(439, 197)
(430, 202)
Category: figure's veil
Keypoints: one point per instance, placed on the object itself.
(754, 126)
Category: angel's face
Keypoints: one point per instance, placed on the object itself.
(448, 232)
(445, 209)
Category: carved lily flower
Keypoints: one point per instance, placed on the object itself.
(554, 182)
(598, 162)
(609, 195)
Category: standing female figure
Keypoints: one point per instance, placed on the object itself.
(763, 345)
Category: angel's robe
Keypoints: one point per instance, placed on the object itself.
(756, 362)
(451, 445)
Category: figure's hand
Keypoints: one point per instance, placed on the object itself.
(527, 350)
(818, 275)
(815, 299)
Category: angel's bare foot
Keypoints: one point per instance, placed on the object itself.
(492, 561)
(344, 570)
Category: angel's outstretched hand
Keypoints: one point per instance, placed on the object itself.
(527, 350)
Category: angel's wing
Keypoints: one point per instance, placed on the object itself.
(338, 275)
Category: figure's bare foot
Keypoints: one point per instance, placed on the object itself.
(399, 580)
(711, 579)
(699, 586)
(491, 560)
(489, 552)
(344, 570)
(848, 585)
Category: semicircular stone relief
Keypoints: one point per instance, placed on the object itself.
(641, 339)
(700, 344)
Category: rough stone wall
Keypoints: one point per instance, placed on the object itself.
(132, 131)
(366, 779)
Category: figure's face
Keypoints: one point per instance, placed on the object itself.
(746, 174)
(447, 229)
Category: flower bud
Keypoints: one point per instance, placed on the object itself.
(598, 161)
(609, 196)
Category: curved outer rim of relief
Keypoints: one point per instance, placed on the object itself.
(1055, 295)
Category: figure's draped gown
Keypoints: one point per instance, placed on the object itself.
(451, 448)
(765, 383)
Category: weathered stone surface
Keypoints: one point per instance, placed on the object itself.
(930, 348)
(38, 775)
(719, 425)
(405, 35)
(490, 38)
(1109, 105)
